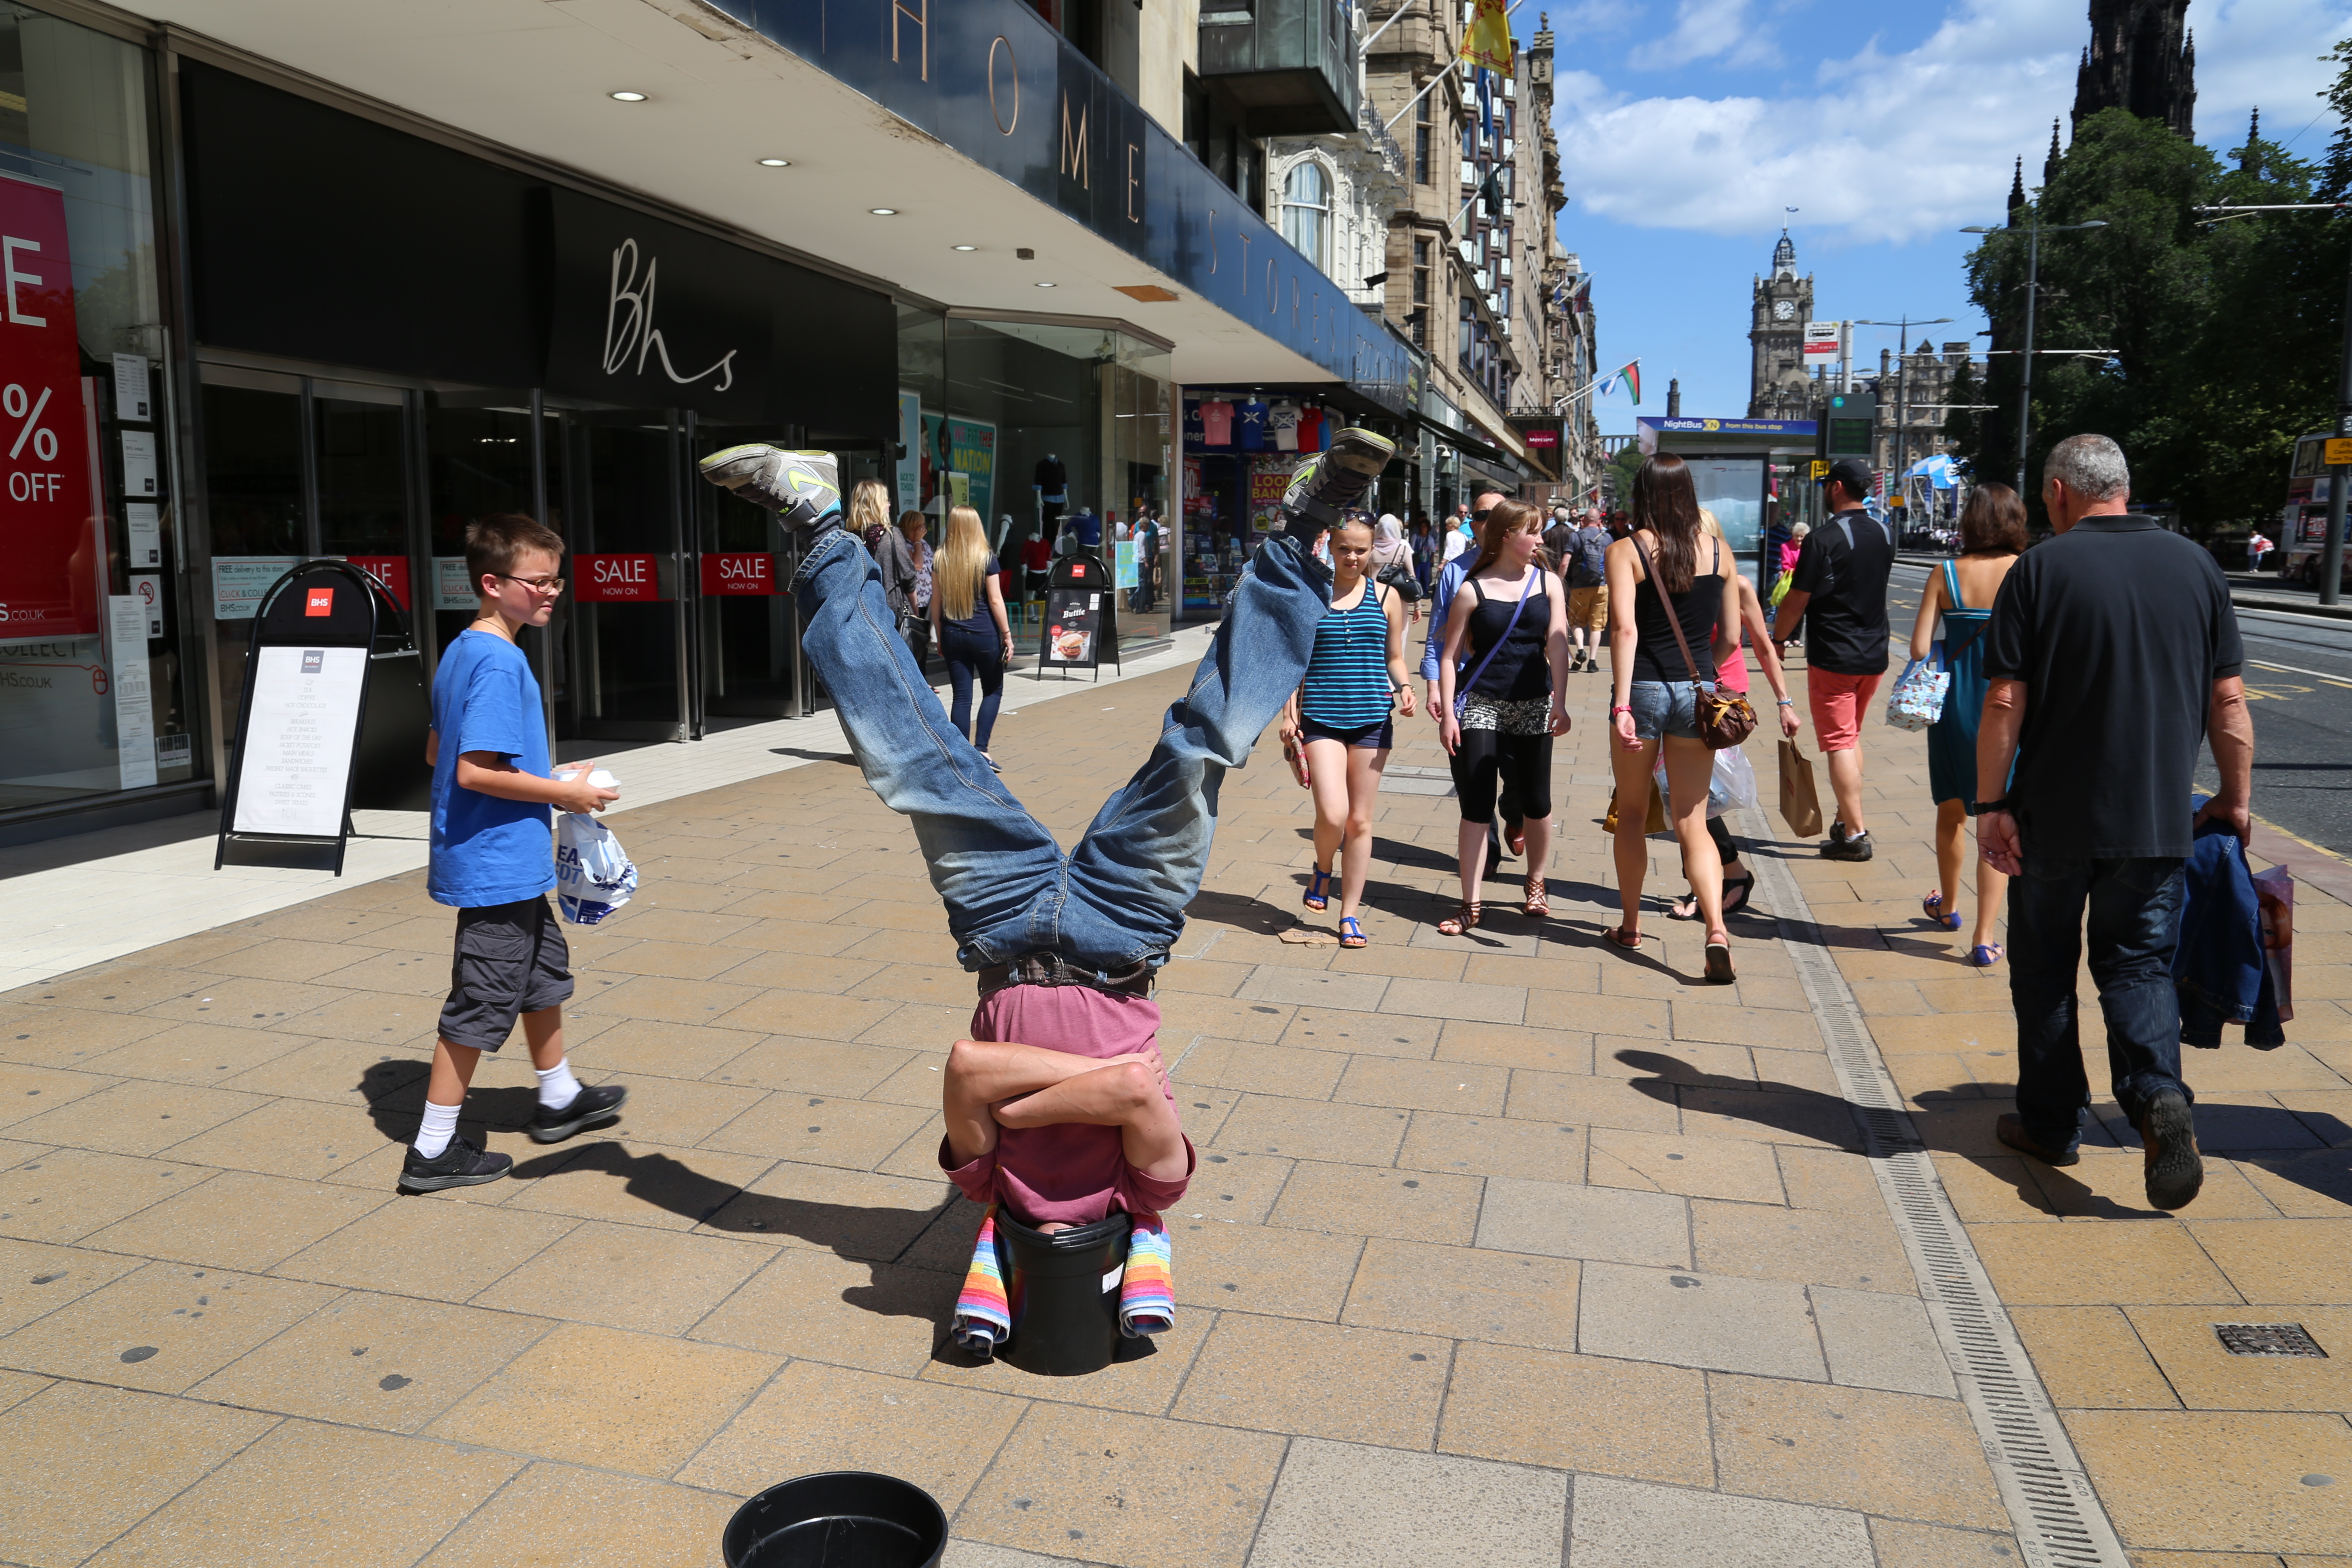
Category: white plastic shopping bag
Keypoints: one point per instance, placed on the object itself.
(1731, 787)
(594, 876)
(1919, 692)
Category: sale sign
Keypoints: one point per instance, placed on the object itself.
(615, 579)
(50, 572)
(392, 571)
(739, 572)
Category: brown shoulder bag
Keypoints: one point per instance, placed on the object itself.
(1725, 718)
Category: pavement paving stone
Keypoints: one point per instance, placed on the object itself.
(317, 1494)
(1340, 1505)
(1324, 1379)
(857, 1214)
(1880, 1340)
(562, 1513)
(1492, 1146)
(2206, 1376)
(1578, 1413)
(2281, 1259)
(1460, 1088)
(1466, 1292)
(79, 1464)
(204, 1053)
(1688, 1318)
(1290, 1273)
(2064, 1265)
(1897, 1454)
(1857, 1251)
(1600, 1224)
(164, 1327)
(238, 1221)
(1625, 1524)
(2220, 1480)
(1710, 1168)
(1903, 1544)
(1313, 1130)
(443, 1252)
(48, 1194)
(1361, 1200)
(36, 1279)
(629, 1276)
(1180, 1495)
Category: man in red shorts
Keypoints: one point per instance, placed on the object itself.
(1839, 591)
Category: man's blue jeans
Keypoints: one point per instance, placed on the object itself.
(2134, 910)
(1119, 899)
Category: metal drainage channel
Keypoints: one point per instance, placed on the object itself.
(2059, 1521)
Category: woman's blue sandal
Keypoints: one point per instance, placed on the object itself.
(1351, 933)
(1318, 896)
(1934, 904)
(1986, 955)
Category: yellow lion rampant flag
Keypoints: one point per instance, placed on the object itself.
(1487, 42)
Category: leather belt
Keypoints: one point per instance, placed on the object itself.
(1053, 969)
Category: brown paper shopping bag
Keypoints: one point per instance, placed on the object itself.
(1799, 804)
(1654, 822)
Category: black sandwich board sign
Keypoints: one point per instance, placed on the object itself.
(333, 716)
(1081, 616)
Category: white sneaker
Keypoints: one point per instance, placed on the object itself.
(802, 488)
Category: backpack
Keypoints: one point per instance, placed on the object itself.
(1589, 557)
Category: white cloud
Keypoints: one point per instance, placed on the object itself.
(1897, 146)
(1704, 29)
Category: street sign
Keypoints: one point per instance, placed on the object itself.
(1821, 470)
(2339, 450)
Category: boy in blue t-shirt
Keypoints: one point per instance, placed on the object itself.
(493, 859)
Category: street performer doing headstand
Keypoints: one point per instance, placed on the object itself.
(1058, 1106)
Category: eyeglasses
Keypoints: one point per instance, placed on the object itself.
(536, 585)
(1481, 514)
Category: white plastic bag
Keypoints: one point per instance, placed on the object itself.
(594, 876)
(1918, 700)
(1731, 787)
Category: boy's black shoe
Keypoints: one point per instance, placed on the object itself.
(461, 1164)
(1330, 483)
(589, 1108)
(1843, 847)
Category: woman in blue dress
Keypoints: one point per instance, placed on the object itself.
(1993, 536)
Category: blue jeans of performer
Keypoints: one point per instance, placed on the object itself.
(1120, 897)
(2133, 909)
(973, 657)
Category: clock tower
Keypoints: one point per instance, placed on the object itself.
(1778, 386)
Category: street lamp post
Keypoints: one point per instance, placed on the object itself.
(1903, 382)
(2331, 550)
(2033, 233)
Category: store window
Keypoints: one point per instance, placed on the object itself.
(93, 687)
(1306, 213)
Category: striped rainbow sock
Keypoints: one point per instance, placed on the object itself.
(1146, 1293)
(983, 1318)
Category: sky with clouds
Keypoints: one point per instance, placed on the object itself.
(1687, 127)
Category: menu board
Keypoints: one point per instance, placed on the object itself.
(296, 752)
(1073, 636)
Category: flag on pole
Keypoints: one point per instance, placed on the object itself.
(1629, 373)
(1486, 42)
(1485, 85)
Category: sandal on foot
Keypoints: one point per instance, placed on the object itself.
(1719, 963)
(1462, 922)
(1516, 835)
(1737, 892)
(1986, 955)
(1683, 909)
(1317, 891)
(1934, 906)
(1618, 936)
(1351, 933)
(1538, 899)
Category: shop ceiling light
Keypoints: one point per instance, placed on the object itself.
(1049, 285)
(963, 247)
(775, 163)
(630, 97)
(883, 211)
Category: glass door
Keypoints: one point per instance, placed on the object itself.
(747, 629)
(626, 610)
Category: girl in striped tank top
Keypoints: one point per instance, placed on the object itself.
(1340, 715)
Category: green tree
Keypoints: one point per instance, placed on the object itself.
(2223, 337)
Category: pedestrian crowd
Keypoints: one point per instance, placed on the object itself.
(2079, 682)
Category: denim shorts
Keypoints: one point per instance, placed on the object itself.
(1671, 706)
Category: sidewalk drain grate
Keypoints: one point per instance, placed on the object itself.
(2058, 1518)
(2267, 1339)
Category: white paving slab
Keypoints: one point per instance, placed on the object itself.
(1339, 1505)
(1631, 1524)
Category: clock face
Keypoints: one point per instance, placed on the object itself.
(1784, 311)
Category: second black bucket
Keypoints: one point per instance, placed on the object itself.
(842, 1518)
(1063, 1291)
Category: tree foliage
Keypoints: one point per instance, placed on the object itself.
(2225, 338)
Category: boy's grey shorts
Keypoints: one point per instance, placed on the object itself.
(511, 959)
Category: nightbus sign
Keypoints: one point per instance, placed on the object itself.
(993, 82)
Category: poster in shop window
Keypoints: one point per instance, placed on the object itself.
(50, 573)
(967, 446)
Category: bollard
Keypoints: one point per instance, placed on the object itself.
(1062, 1292)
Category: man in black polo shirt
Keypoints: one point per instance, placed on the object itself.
(1838, 591)
(2113, 654)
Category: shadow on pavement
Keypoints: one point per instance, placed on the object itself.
(1783, 1107)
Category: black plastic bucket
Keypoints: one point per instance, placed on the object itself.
(842, 1518)
(1062, 1292)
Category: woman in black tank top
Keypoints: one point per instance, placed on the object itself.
(1671, 573)
(1502, 686)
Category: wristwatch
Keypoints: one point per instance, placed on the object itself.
(2003, 804)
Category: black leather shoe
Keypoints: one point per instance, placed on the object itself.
(2172, 1168)
(461, 1164)
(2011, 1129)
(589, 1108)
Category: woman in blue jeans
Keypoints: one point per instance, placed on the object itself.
(1668, 566)
(969, 626)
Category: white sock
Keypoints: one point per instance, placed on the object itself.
(440, 1126)
(557, 1087)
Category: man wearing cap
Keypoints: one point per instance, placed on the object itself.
(1840, 583)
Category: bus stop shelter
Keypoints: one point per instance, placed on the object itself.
(1743, 469)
